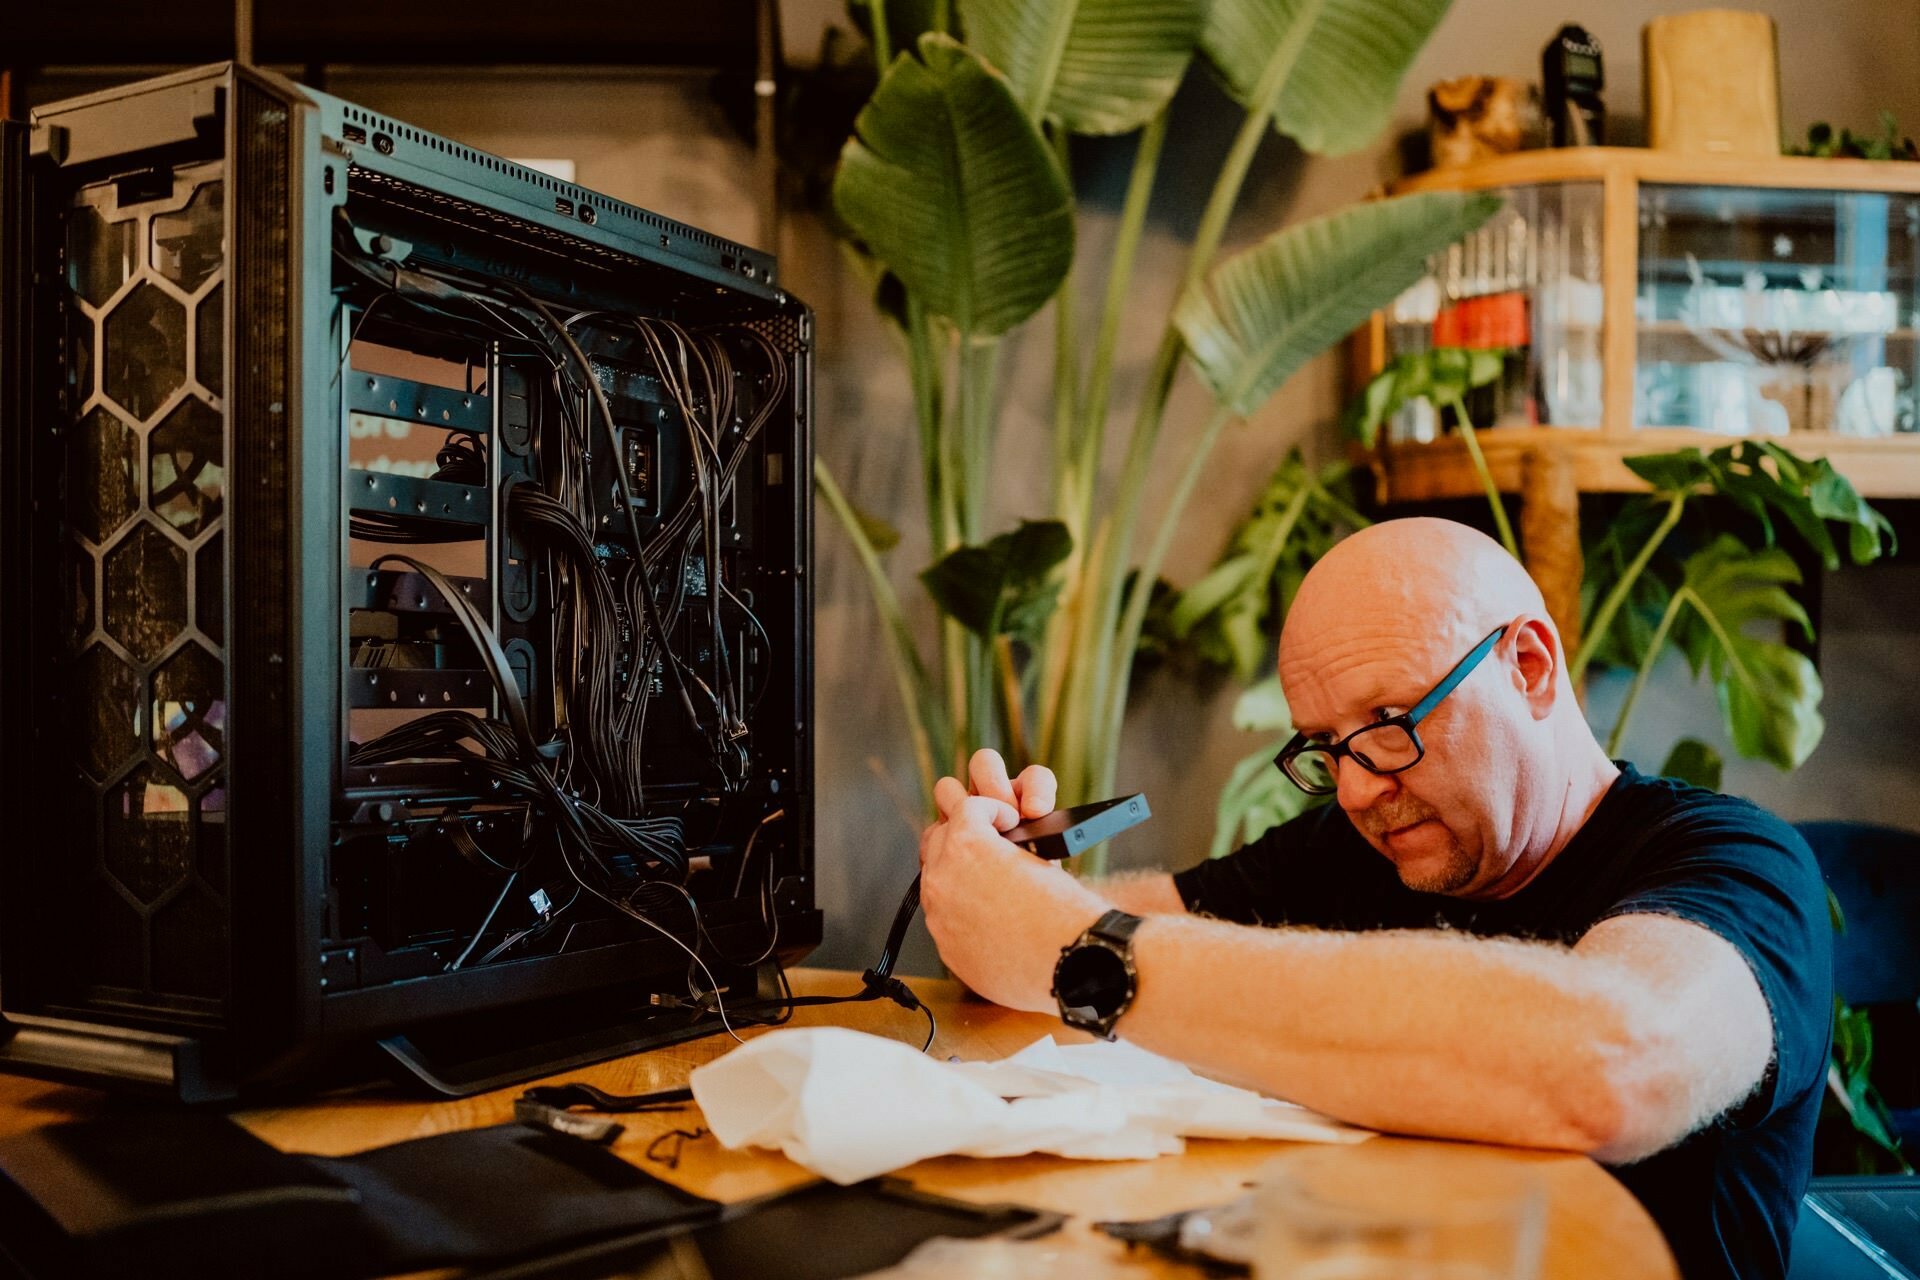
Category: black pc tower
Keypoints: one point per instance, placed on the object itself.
(406, 640)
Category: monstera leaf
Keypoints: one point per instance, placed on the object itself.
(1005, 587)
(1265, 312)
(1692, 760)
(1340, 61)
(951, 186)
(1766, 480)
(1769, 693)
(1090, 66)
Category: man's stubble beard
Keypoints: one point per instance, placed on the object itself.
(1459, 868)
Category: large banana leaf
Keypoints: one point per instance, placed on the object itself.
(1769, 693)
(1265, 312)
(1342, 61)
(951, 186)
(1092, 66)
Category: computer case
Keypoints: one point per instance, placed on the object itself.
(278, 376)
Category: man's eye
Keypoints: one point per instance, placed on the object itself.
(1385, 713)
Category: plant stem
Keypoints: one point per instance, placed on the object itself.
(1017, 744)
(882, 39)
(974, 433)
(1099, 626)
(910, 676)
(1602, 619)
(1652, 655)
(1480, 467)
(1133, 221)
(1120, 678)
(1079, 473)
(1066, 374)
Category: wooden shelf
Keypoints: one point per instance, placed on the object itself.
(1642, 165)
(1878, 466)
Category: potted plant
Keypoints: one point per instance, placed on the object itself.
(954, 195)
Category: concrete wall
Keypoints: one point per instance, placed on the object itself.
(660, 143)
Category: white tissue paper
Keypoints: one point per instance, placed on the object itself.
(849, 1105)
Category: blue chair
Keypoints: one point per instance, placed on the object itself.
(1874, 873)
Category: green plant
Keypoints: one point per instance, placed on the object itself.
(1769, 692)
(954, 192)
(1442, 376)
(1888, 145)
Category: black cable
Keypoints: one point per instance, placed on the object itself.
(485, 924)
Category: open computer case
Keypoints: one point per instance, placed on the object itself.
(406, 635)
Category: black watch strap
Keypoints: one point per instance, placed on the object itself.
(1116, 926)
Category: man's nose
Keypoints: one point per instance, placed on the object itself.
(1359, 787)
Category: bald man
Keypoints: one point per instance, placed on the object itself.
(1495, 932)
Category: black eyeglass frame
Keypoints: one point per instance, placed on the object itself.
(1407, 720)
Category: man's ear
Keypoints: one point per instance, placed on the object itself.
(1536, 664)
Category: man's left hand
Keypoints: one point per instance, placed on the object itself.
(998, 914)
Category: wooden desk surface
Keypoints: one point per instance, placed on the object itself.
(1594, 1226)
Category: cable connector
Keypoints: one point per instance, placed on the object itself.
(892, 988)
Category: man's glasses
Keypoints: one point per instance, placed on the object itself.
(1386, 746)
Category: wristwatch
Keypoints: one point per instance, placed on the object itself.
(1094, 980)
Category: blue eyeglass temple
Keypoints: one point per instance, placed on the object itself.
(1461, 671)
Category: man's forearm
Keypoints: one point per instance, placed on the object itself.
(1414, 1032)
(1142, 893)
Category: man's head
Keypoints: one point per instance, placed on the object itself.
(1375, 625)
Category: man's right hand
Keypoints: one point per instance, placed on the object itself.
(1021, 799)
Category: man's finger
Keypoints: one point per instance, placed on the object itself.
(997, 814)
(1037, 789)
(989, 774)
(947, 795)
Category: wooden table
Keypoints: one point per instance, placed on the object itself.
(1594, 1226)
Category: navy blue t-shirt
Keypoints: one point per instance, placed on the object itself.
(1727, 1196)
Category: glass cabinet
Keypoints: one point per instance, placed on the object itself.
(1644, 301)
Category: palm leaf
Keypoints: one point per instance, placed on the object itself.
(1091, 66)
(952, 187)
(1267, 311)
(1342, 61)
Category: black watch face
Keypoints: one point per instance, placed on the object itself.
(1091, 979)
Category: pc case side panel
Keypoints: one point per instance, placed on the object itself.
(17, 423)
(269, 818)
(803, 542)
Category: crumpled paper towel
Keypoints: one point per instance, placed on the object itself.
(849, 1105)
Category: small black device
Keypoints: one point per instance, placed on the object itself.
(1094, 980)
(1066, 833)
(1572, 76)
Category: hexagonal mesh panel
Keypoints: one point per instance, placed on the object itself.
(185, 478)
(103, 474)
(148, 833)
(209, 592)
(146, 590)
(100, 254)
(148, 734)
(186, 243)
(146, 351)
(189, 712)
(107, 727)
(207, 341)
